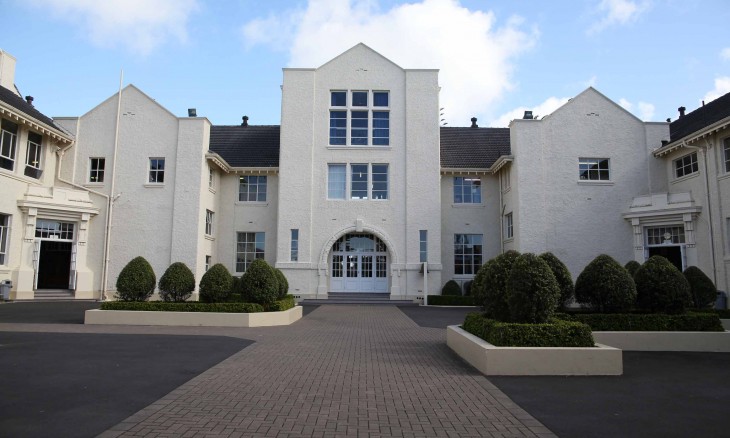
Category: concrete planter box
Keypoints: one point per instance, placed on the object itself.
(666, 341)
(197, 319)
(534, 361)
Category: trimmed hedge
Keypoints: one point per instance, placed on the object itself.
(647, 322)
(451, 288)
(702, 289)
(605, 286)
(556, 333)
(188, 306)
(562, 276)
(177, 283)
(215, 286)
(723, 313)
(495, 285)
(136, 281)
(532, 290)
(632, 266)
(285, 303)
(450, 300)
(259, 283)
(661, 287)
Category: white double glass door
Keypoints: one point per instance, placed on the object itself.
(359, 263)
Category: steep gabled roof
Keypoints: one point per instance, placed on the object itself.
(19, 104)
(473, 148)
(700, 118)
(246, 146)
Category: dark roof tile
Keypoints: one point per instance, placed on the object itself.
(246, 146)
(21, 105)
(473, 147)
(700, 118)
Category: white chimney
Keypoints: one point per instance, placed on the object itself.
(7, 71)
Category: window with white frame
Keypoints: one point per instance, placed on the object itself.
(48, 229)
(336, 181)
(208, 260)
(4, 238)
(96, 170)
(252, 188)
(726, 153)
(594, 169)
(209, 222)
(211, 178)
(366, 181)
(8, 144)
(504, 178)
(294, 248)
(423, 245)
(467, 190)
(361, 120)
(249, 247)
(157, 170)
(508, 230)
(467, 253)
(664, 236)
(33, 155)
(686, 165)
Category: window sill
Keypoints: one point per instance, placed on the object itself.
(509, 240)
(209, 237)
(23, 178)
(94, 184)
(359, 148)
(507, 189)
(154, 185)
(726, 176)
(211, 190)
(595, 183)
(468, 205)
(686, 177)
(252, 204)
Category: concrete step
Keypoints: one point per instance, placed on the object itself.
(53, 294)
(359, 298)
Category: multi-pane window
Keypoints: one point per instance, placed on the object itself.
(363, 121)
(664, 236)
(8, 139)
(508, 230)
(249, 247)
(157, 170)
(208, 260)
(366, 181)
(33, 155)
(252, 188)
(208, 222)
(211, 176)
(726, 152)
(45, 229)
(594, 169)
(96, 170)
(380, 181)
(336, 181)
(294, 250)
(686, 165)
(423, 245)
(359, 181)
(467, 253)
(467, 190)
(4, 238)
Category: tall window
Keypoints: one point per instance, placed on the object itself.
(33, 156)
(359, 181)
(211, 176)
(423, 245)
(294, 253)
(594, 169)
(208, 259)
(365, 114)
(467, 253)
(96, 170)
(252, 188)
(4, 237)
(336, 181)
(208, 222)
(249, 247)
(380, 181)
(726, 151)
(508, 230)
(686, 165)
(157, 170)
(8, 139)
(504, 177)
(467, 190)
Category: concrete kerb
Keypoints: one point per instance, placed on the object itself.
(491, 360)
(195, 319)
(666, 341)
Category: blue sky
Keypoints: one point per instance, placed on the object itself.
(497, 58)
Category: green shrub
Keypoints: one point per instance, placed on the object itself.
(450, 300)
(467, 288)
(235, 285)
(137, 281)
(632, 267)
(495, 285)
(703, 290)
(215, 286)
(478, 286)
(556, 333)
(532, 290)
(282, 304)
(188, 306)
(723, 313)
(177, 283)
(562, 275)
(451, 288)
(606, 286)
(282, 282)
(259, 283)
(650, 322)
(661, 287)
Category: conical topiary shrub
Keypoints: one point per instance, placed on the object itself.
(632, 266)
(259, 283)
(703, 290)
(137, 281)
(661, 287)
(496, 303)
(605, 286)
(177, 283)
(215, 286)
(532, 290)
(563, 277)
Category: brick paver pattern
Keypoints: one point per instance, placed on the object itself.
(365, 371)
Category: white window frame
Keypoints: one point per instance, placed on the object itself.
(211, 178)
(373, 114)
(583, 166)
(423, 245)
(98, 170)
(8, 144)
(33, 164)
(476, 259)
(505, 178)
(294, 245)
(508, 226)
(4, 238)
(244, 258)
(156, 175)
(685, 165)
(465, 189)
(334, 188)
(257, 187)
(726, 153)
(208, 260)
(209, 215)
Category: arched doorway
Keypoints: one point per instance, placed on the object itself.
(359, 263)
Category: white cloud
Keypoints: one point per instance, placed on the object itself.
(539, 111)
(475, 55)
(626, 104)
(725, 54)
(617, 12)
(645, 111)
(722, 87)
(139, 25)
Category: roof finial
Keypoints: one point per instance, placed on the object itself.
(245, 121)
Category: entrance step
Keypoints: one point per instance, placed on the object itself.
(53, 294)
(359, 298)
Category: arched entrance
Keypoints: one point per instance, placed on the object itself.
(359, 263)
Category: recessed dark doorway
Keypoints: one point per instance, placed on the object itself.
(671, 253)
(54, 265)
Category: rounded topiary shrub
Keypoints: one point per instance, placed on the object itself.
(259, 283)
(137, 281)
(177, 283)
(451, 288)
(495, 285)
(215, 286)
(478, 285)
(283, 283)
(632, 267)
(532, 290)
(661, 287)
(563, 277)
(703, 290)
(605, 286)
